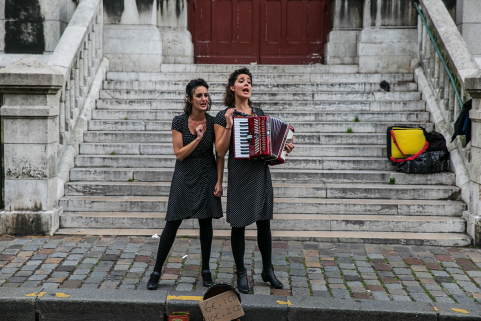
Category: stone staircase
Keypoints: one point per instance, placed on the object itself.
(337, 185)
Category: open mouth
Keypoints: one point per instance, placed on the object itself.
(203, 104)
(245, 90)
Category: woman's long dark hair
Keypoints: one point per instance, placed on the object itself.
(229, 96)
(189, 93)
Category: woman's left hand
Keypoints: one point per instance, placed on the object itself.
(289, 147)
(218, 191)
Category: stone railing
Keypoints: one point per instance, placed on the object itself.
(45, 112)
(77, 57)
(442, 71)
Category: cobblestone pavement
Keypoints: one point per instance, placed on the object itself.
(340, 270)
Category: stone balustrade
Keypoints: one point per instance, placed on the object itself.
(45, 111)
(441, 100)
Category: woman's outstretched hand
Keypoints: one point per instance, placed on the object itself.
(289, 147)
(218, 191)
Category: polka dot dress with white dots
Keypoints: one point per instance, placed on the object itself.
(249, 190)
(194, 179)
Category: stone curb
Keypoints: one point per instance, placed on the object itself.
(77, 304)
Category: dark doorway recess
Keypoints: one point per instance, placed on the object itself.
(260, 31)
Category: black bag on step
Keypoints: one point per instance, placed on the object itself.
(426, 163)
(436, 143)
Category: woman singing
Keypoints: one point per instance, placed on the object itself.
(249, 196)
(197, 181)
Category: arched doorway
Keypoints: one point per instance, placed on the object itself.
(260, 31)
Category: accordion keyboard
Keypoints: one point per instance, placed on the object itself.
(241, 144)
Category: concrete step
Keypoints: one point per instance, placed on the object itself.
(294, 76)
(301, 150)
(166, 137)
(340, 106)
(288, 116)
(337, 191)
(268, 95)
(300, 127)
(276, 87)
(312, 176)
(281, 205)
(281, 222)
(405, 238)
(293, 162)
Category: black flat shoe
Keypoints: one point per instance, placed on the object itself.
(269, 276)
(206, 278)
(242, 283)
(153, 281)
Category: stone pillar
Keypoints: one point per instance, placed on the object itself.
(473, 215)
(132, 41)
(388, 41)
(468, 20)
(30, 133)
(177, 46)
(346, 23)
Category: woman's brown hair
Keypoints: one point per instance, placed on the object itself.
(229, 96)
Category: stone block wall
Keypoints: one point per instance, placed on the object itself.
(33, 26)
(140, 35)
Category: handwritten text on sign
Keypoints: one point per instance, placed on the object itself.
(222, 307)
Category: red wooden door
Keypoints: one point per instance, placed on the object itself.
(293, 31)
(261, 31)
(225, 31)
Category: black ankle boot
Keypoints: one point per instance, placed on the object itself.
(206, 277)
(242, 284)
(153, 281)
(269, 276)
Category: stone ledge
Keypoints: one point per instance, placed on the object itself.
(30, 222)
(78, 304)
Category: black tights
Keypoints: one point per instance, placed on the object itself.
(264, 241)
(168, 237)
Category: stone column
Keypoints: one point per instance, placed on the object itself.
(388, 41)
(30, 133)
(177, 46)
(473, 215)
(468, 20)
(346, 23)
(132, 41)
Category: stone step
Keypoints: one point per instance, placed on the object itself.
(404, 238)
(167, 149)
(325, 106)
(258, 95)
(312, 176)
(288, 116)
(166, 137)
(293, 162)
(300, 127)
(295, 76)
(280, 222)
(337, 191)
(281, 205)
(276, 87)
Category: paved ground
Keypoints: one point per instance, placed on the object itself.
(340, 270)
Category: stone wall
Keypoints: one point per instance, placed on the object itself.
(139, 35)
(468, 21)
(32, 27)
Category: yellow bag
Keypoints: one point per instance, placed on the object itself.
(403, 142)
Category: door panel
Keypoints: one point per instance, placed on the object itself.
(225, 31)
(293, 31)
(261, 31)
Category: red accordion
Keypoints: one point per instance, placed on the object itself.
(261, 137)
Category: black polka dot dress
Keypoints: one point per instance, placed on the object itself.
(249, 186)
(192, 188)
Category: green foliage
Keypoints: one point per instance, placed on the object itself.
(392, 181)
(349, 130)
